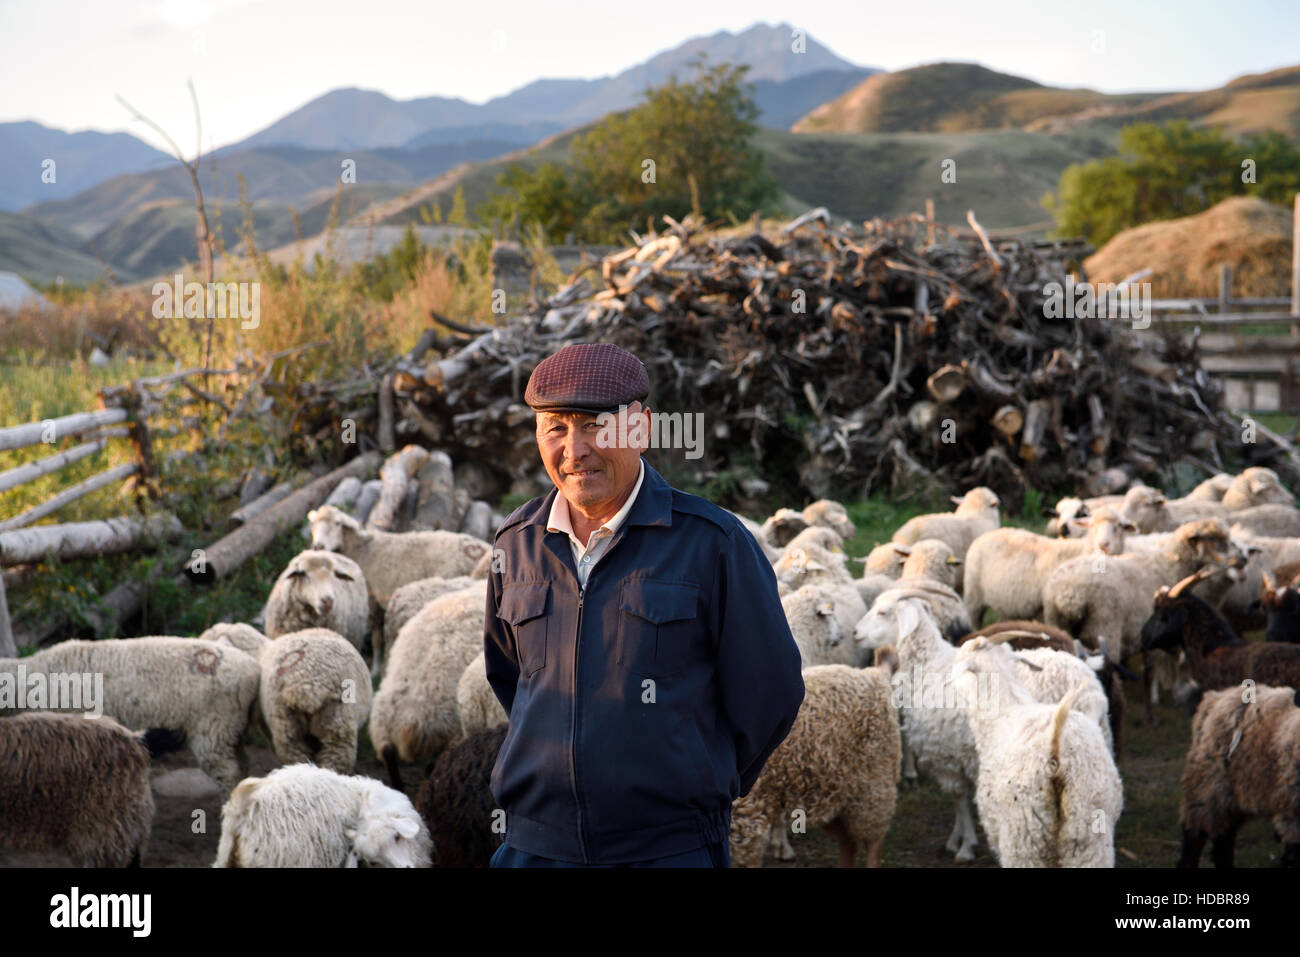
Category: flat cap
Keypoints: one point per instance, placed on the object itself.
(592, 377)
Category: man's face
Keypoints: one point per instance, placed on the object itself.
(588, 474)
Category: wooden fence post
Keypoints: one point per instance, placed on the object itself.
(1225, 288)
(7, 647)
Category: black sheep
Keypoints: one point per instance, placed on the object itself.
(457, 805)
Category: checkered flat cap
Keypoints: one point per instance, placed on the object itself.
(589, 377)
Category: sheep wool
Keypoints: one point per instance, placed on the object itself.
(320, 589)
(411, 597)
(304, 816)
(74, 786)
(837, 768)
(476, 702)
(414, 717)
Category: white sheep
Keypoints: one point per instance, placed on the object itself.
(935, 731)
(414, 716)
(838, 766)
(304, 816)
(1256, 486)
(1269, 520)
(820, 536)
(207, 691)
(781, 526)
(817, 629)
(830, 514)
(320, 589)
(1212, 489)
(1048, 792)
(932, 559)
(476, 702)
(407, 602)
(1007, 567)
(315, 692)
(882, 567)
(391, 559)
(976, 513)
(812, 565)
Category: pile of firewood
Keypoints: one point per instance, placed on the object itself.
(837, 361)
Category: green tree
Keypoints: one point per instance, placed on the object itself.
(1167, 171)
(686, 147)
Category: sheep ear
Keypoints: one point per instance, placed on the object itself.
(908, 618)
(903, 549)
(407, 828)
(1258, 485)
(815, 567)
(955, 499)
(311, 516)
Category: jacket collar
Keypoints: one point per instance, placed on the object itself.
(653, 506)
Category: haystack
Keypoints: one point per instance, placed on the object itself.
(1250, 235)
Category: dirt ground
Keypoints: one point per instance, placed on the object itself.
(1147, 833)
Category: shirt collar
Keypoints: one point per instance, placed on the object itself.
(560, 521)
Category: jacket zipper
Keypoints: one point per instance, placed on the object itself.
(573, 737)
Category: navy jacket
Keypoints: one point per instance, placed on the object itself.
(642, 706)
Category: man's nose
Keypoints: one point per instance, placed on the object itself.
(576, 445)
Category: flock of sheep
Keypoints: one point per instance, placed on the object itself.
(1023, 716)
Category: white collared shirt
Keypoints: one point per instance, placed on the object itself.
(586, 556)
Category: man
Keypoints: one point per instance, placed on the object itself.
(634, 636)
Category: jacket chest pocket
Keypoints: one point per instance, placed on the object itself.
(657, 626)
(524, 607)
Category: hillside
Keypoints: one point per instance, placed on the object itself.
(960, 97)
(41, 251)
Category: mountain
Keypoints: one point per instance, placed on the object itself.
(82, 160)
(1249, 104)
(351, 119)
(284, 175)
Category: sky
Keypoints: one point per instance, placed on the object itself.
(253, 61)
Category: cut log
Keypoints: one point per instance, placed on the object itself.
(246, 513)
(224, 556)
(8, 647)
(86, 539)
(366, 500)
(1038, 417)
(387, 441)
(436, 506)
(1008, 420)
(947, 383)
(478, 520)
(395, 476)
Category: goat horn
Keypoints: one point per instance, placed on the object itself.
(1190, 580)
(1013, 633)
(1269, 581)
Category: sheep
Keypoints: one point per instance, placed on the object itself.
(883, 565)
(839, 766)
(1111, 595)
(818, 535)
(976, 513)
(456, 801)
(1046, 778)
(1007, 568)
(945, 604)
(938, 737)
(1212, 489)
(206, 691)
(1151, 511)
(389, 560)
(315, 692)
(1243, 763)
(77, 787)
(476, 702)
(320, 589)
(413, 716)
(1218, 657)
(1268, 520)
(812, 565)
(932, 559)
(1070, 508)
(1255, 486)
(830, 514)
(781, 526)
(304, 816)
(1054, 679)
(817, 629)
(407, 602)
